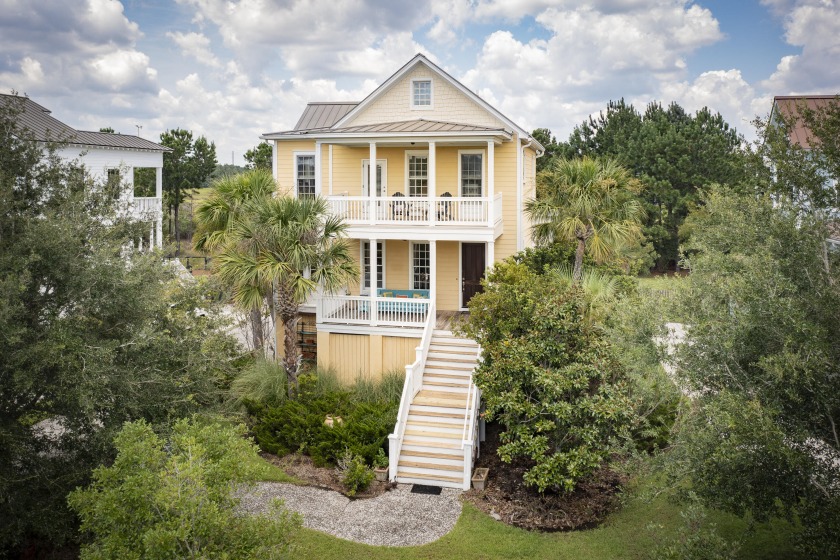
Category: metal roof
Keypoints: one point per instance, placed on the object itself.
(321, 115)
(788, 106)
(416, 126)
(44, 127)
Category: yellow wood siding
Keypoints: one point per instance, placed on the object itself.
(286, 162)
(450, 104)
(397, 352)
(505, 183)
(396, 265)
(354, 356)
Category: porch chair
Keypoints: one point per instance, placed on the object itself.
(398, 210)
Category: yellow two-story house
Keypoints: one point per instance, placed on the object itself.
(431, 181)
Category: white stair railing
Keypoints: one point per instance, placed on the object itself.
(469, 437)
(412, 384)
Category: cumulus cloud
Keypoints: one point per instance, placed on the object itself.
(813, 25)
(197, 46)
(723, 91)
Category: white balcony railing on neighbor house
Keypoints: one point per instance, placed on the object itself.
(401, 210)
(364, 310)
(147, 206)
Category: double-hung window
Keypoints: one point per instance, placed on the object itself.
(472, 173)
(421, 269)
(418, 175)
(380, 269)
(305, 175)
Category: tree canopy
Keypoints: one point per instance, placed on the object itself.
(92, 335)
(260, 156)
(674, 153)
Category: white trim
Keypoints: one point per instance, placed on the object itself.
(484, 164)
(319, 152)
(420, 59)
(295, 155)
(409, 153)
(466, 136)
(520, 192)
(411, 245)
(330, 157)
(366, 176)
(411, 104)
(402, 332)
(366, 291)
(274, 160)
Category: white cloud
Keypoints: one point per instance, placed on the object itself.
(723, 91)
(123, 69)
(197, 46)
(813, 25)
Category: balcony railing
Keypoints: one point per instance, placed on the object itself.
(364, 310)
(421, 211)
(147, 206)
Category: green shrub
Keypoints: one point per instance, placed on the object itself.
(173, 499)
(263, 381)
(356, 474)
(696, 540)
(381, 460)
(368, 412)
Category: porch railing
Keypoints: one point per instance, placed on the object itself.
(413, 383)
(401, 210)
(367, 310)
(144, 206)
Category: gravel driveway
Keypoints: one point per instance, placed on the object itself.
(396, 518)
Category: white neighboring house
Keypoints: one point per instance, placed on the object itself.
(104, 155)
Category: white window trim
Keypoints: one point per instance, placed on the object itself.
(483, 155)
(411, 245)
(408, 154)
(431, 104)
(366, 176)
(363, 290)
(295, 155)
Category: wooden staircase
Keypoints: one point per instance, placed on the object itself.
(431, 451)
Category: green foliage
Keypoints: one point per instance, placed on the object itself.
(260, 156)
(696, 540)
(548, 375)
(261, 381)
(91, 336)
(763, 303)
(356, 474)
(367, 411)
(381, 459)
(175, 499)
(676, 155)
(549, 142)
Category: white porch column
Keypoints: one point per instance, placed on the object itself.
(318, 168)
(432, 270)
(159, 213)
(374, 276)
(372, 185)
(491, 180)
(490, 256)
(329, 164)
(431, 185)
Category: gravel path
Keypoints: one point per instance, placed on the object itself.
(396, 518)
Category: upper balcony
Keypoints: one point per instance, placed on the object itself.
(421, 215)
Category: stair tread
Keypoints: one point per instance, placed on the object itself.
(440, 444)
(441, 403)
(430, 476)
(434, 383)
(431, 455)
(430, 466)
(435, 424)
(440, 394)
(434, 413)
(446, 366)
(419, 432)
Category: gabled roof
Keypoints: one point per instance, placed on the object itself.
(332, 118)
(408, 67)
(788, 107)
(39, 121)
(323, 114)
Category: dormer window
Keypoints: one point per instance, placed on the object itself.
(421, 94)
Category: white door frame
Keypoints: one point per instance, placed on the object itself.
(383, 163)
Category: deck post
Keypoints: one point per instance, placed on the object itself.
(159, 209)
(431, 188)
(491, 180)
(373, 261)
(432, 270)
(372, 188)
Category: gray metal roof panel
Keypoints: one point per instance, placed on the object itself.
(44, 127)
(320, 115)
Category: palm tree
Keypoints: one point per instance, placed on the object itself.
(289, 247)
(216, 217)
(588, 201)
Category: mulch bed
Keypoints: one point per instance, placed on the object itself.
(506, 498)
(302, 468)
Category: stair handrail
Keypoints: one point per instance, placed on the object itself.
(411, 386)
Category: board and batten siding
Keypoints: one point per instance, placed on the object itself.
(99, 160)
(362, 356)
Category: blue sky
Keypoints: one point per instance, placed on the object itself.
(232, 69)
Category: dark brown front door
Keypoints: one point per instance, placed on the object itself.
(472, 270)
